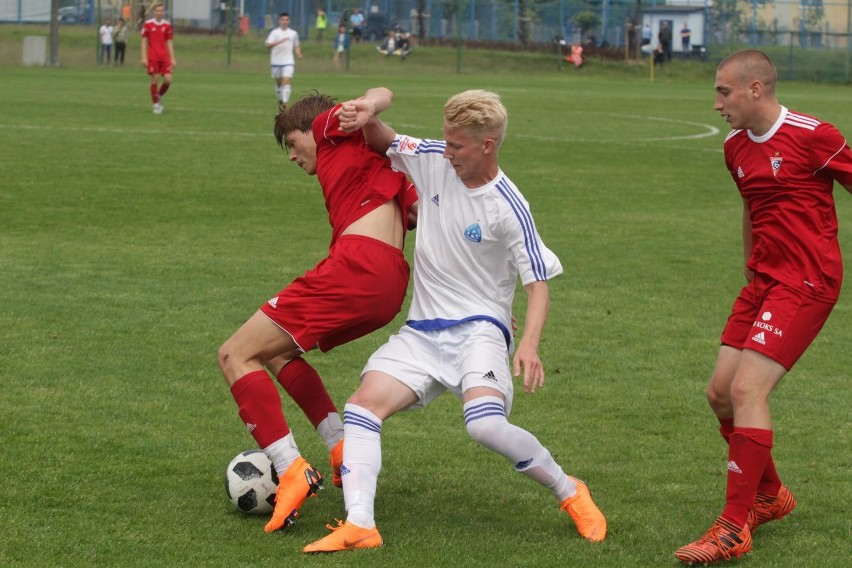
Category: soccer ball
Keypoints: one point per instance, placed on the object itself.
(251, 482)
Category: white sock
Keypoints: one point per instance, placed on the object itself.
(362, 462)
(282, 453)
(285, 93)
(278, 94)
(485, 420)
(331, 430)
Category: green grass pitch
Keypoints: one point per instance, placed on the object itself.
(132, 245)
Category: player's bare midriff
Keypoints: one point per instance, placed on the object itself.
(383, 223)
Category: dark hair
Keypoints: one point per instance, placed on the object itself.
(282, 14)
(300, 115)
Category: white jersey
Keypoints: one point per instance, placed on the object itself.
(282, 54)
(471, 244)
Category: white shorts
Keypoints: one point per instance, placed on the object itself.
(283, 71)
(468, 355)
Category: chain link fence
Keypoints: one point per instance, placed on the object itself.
(808, 39)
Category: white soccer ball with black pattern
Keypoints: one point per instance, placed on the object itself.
(251, 482)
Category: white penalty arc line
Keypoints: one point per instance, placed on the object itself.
(709, 131)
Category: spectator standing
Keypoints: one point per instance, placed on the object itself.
(322, 23)
(685, 38)
(105, 33)
(341, 44)
(119, 34)
(356, 23)
(665, 37)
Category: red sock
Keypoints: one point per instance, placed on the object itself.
(770, 483)
(163, 88)
(305, 387)
(748, 453)
(726, 428)
(154, 94)
(260, 407)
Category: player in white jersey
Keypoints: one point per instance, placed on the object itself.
(475, 237)
(283, 43)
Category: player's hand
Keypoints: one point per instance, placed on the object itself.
(145, 63)
(528, 358)
(354, 114)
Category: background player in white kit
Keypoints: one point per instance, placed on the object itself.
(283, 43)
(475, 236)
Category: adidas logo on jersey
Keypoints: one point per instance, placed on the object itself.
(343, 470)
(733, 467)
(436, 200)
(740, 173)
(759, 338)
(489, 376)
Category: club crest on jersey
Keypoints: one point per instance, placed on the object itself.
(407, 145)
(776, 163)
(473, 233)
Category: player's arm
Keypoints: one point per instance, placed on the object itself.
(526, 355)
(170, 47)
(363, 113)
(144, 51)
(747, 242)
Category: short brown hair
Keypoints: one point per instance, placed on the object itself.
(300, 115)
(751, 65)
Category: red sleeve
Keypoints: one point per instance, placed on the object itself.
(831, 153)
(327, 126)
(145, 30)
(169, 33)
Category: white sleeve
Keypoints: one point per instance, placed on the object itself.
(416, 157)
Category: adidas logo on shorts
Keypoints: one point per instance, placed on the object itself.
(759, 338)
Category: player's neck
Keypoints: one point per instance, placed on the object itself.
(766, 119)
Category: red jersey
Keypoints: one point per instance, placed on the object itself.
(157, 34)
(787, 177)
(355, 180)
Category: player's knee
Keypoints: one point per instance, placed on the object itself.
(486, 431)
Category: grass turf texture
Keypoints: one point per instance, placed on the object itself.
(132, 245)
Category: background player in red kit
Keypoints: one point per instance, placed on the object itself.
(357, 289)
(158, 54)
(784, 164)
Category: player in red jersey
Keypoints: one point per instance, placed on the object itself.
(357, 289)
(784, 164)
(158, 54)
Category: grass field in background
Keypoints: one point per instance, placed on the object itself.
(132, 245)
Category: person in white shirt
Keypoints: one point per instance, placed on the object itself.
(283, 43)
(475, 238)
(105, 33)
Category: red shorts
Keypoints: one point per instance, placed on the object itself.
(774, 319)
(159, 67)
(358, 289)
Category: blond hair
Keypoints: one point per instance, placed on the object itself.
(479, 112)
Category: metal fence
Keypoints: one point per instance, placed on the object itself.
(808, 39)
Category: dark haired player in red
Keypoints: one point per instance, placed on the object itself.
(158, 54)
(356, 290)
(784, 164)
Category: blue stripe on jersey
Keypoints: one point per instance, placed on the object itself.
(354, 419)
(524, 217)
(431, 147)
(438, 324)
(483, 410)
(425, 146)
